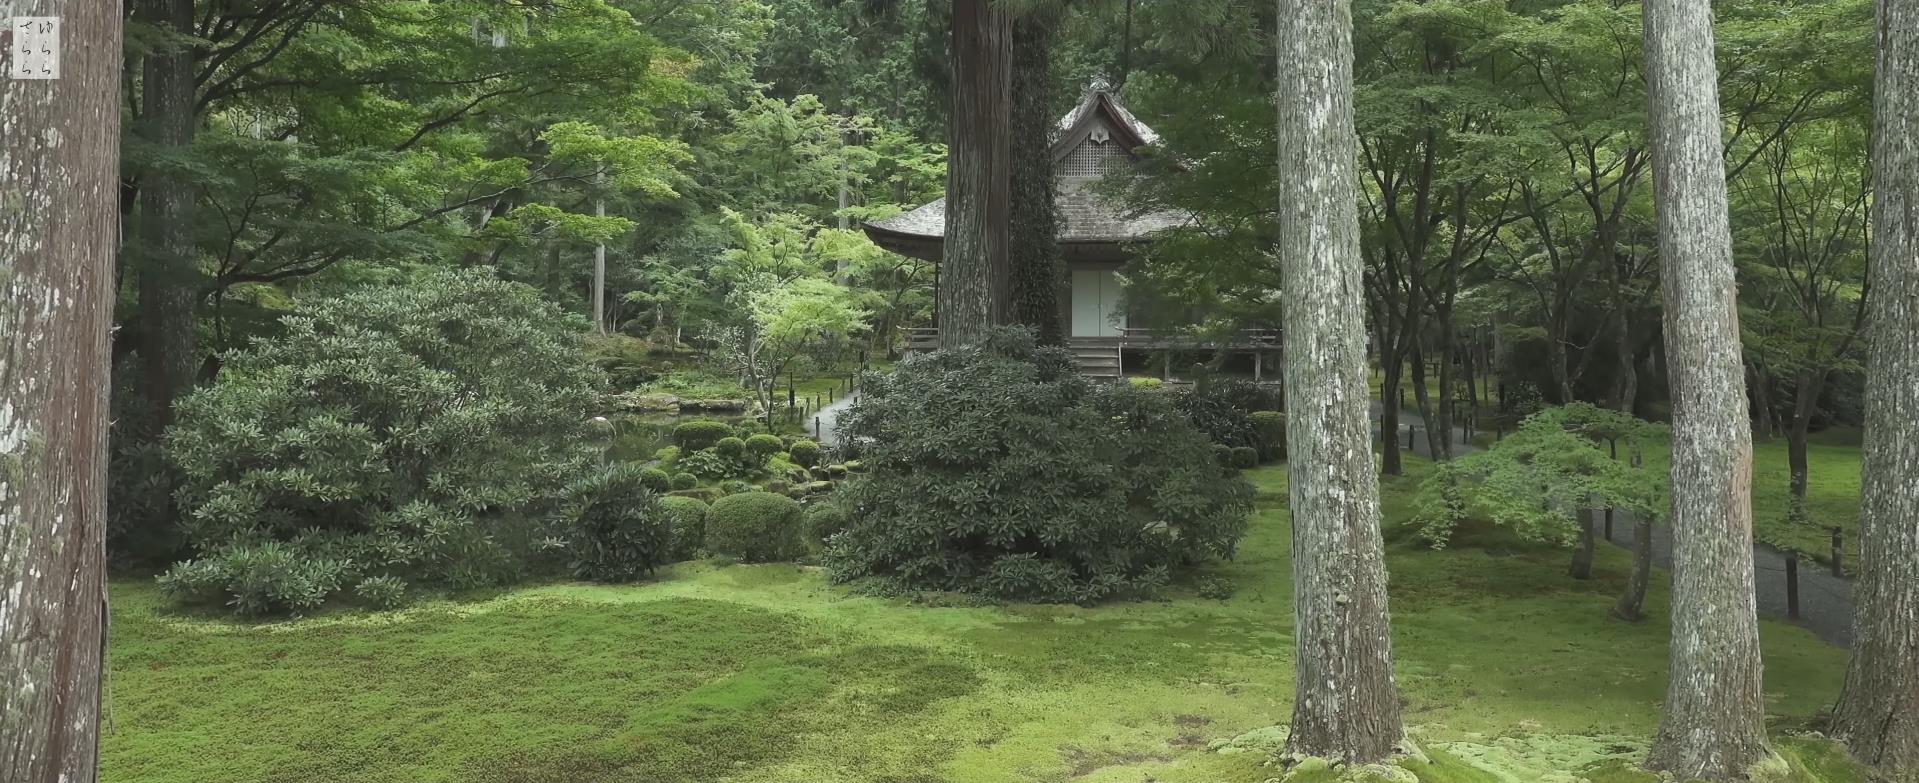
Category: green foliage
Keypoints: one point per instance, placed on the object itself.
(656, 480)
(762, 447)
(1244, 457)
(1270, 428)
(267, 578)
(686, 517)
(730, 448)
(804, 453)
(824, 519)
(339, 436)
(756, 527)
(1145, 383)
(998, 469)
(1223, 409)
(685, 481)
(1538, 479)
(700, 434)
(381, 592)
(1216, 588)
(616, 530)
(735, 487)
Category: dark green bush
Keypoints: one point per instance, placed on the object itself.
(707, 464)
(656, 479)
(1223, 455)
(687, 519)
(1216, 587)
(1270, 427)
(997, 469)
(1223, 409)
(804, 453)
(700, 434)
(756, 527)
(706, 494)
(735, 487)
(685, 481)
(762, 447)
(730, 448)
(340, 439)
(381, 592)
(824, 518)
(1244, 457)
(616, 532)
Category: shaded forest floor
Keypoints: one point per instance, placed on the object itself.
(1510, 670)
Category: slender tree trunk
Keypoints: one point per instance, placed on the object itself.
(599, 272)
(1713, 724)
(1761, 403)
(1034, 230)
(1391, 461)
(1878, 712)
(1583, 553)
(1632, 602)
(1806, 390)
(1347, 702)
(973, 280)
(60, 162)
(169, 274)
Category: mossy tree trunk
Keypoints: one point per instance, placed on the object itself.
(59, 227)
(973, 282)
(1878, 712)
(1346, 706)
(1713, 724)
(1034, 230)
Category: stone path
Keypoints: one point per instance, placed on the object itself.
(828, 419)
(1825, 601)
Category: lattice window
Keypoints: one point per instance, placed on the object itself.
(1093, 159)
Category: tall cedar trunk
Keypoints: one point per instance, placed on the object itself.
(1034, 220)
(169, 275)
(1878, 713)
(1347, 702)
(60, 160)
(1713, 725)
(972, 293)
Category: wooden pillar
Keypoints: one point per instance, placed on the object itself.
(1257, 359)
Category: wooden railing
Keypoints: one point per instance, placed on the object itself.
(927, 339)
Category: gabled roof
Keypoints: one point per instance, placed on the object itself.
(1087, 218)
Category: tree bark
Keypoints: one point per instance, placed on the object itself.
(973, 283)
(169, 273)
(1632, 601)
(1583, 552)
(59, 228)
(1034, 218)
(1347, 703)
(1878, 712)
(1713, 724)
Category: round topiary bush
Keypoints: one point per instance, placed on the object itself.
(823, 519)
(762, 447)
(756, 527)
(335, 438)
(730, 448)
(1244, 457)
(687, 519)
(685, 481)
(804, 453)
(700, 434)
(998, 469)
(735, 487)
(618, 532)
(656, 479)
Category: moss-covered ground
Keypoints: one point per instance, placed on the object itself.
(757, 674)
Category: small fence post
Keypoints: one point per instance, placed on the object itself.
(1412, 432)
(1838, 551)
(816, 428)
(1792, 583)
(1609, 523)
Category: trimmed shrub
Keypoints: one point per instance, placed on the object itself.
(707, 464)
(756, 527)
(730, 448)
(617, 532)
(823, 519)
(1146, 383)
(656, 479)
(1217, 588)
(997, 469)
(836, 471)
(762, 447)
(686, 518)
(735, 487)
(804, 453)
(335, 438)
(1244, 457)
(1223, 455)
(776, 487)
(704, 494)
(1270, 427)
(685, 481)
(700, 434)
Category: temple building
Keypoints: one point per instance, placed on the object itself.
(1096, 237)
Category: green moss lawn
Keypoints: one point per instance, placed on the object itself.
(766, 673)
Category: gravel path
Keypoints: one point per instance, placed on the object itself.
(826, 419)
(1825, 601)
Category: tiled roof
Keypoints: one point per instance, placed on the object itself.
(1085, 214)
